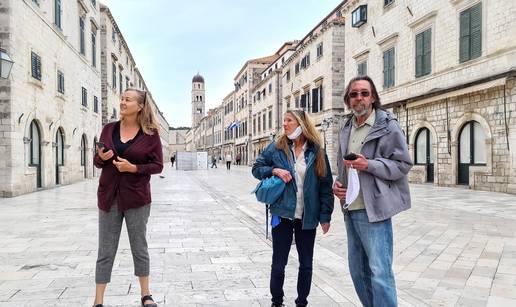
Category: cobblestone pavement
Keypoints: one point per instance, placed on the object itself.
(455, 247)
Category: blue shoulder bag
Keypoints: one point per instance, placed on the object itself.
(269, 190)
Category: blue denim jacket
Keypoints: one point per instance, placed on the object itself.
(317, 191)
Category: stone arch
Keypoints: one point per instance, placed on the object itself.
(455, 132)
(420, 170)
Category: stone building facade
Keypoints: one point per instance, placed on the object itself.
(313, 79)
(446, 69)
(50, 109)
(177, 140)
(266, 111)
(59, 95)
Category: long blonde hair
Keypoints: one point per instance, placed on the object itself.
(311, 135)
(145, 117)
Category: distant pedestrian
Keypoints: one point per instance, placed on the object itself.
(373, 154)
(228, 161)
(172, 160)
(213, 161)
(132, 153)
(238, 158)
(299, 159)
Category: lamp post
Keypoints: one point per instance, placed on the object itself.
(5, 65)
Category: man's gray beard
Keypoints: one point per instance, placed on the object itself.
(361, 113)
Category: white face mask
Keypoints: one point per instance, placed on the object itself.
(353, 187)
(294, 135)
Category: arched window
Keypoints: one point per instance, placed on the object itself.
(472, 149)
(423, 152)
(472, 144)
(35, 144)
(59, 147)
(83, 150)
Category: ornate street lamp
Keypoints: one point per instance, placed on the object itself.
(5, 64)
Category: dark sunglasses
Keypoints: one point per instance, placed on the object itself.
(362, 93)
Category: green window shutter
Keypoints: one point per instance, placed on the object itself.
(419, 54)
(464, 36)
(385, 69)
(476, 31)
(427, 52)
(391, 67)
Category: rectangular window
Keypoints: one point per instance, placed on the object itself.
(264, 122)
(82, 43)
(270, 88)
(303, 102)
(35, 66)
(362, 69)
(470, 33)
(388, 68)
(60, 82)
(57, 13)
(319, 50)
(84, 97)
(94, 48)
(95, 104)
(288, 75)
(259, 123)
(121, 83)
(270, 119)
(423, 53)
(297, 68)
(359, 16)
(113, 34)
(317, 99)
(113, 75)
(305, 61)
(254, 124)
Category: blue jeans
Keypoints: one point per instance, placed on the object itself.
(281, 242)
(370, 259)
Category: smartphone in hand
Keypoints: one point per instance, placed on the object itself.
(351, 156)
(102, 146)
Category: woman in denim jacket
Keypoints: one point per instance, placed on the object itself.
(299, 160)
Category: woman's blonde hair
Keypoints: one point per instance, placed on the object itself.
(311, 135)
(145, 117)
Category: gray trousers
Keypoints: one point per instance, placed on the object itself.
(110, 226)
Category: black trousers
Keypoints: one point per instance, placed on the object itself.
(281, 242)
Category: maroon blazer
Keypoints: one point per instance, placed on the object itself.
(131, 189)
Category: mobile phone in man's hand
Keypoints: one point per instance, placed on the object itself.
(351, 156)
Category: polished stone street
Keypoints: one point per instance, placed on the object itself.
(455, 247)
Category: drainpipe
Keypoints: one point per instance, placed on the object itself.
(505, 117)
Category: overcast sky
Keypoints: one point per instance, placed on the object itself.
(172, 40)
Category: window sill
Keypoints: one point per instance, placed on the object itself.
(61, 96)
(84, 109)
(35, 82)
(389, 6)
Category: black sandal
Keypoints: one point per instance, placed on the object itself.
(148, 298)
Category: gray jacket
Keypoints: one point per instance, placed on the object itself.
(384, 184)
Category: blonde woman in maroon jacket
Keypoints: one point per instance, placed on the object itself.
(129, 152)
